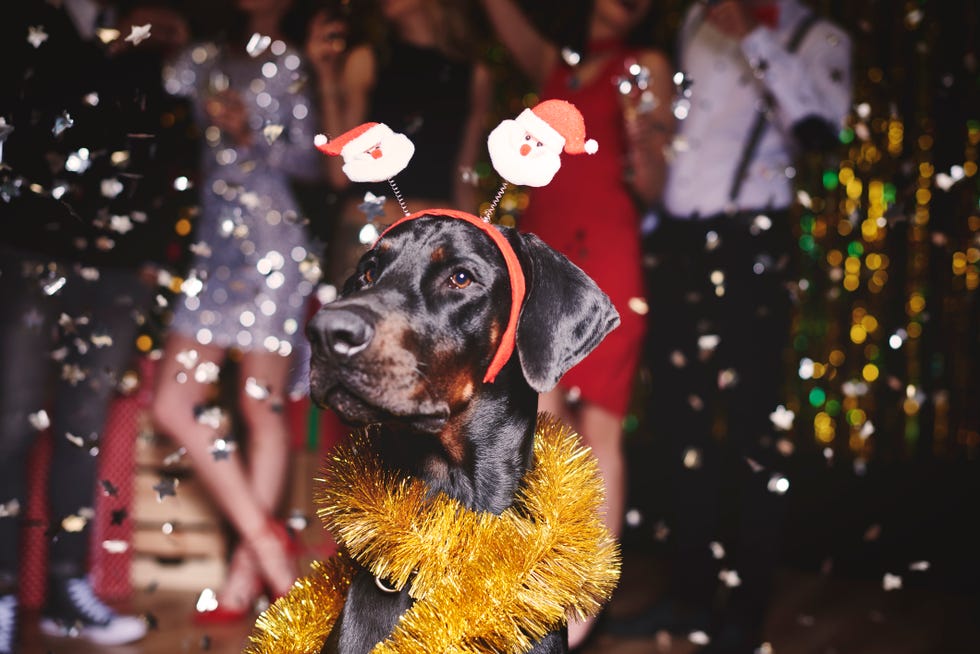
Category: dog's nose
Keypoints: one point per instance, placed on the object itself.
(341, 331)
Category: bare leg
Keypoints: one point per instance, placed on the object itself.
(603, 432)
(173, 411)
(554, 402)
(268, 431)
(266, 466)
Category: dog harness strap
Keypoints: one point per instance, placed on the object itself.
(517, 283)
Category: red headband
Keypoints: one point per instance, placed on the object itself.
(507, 342)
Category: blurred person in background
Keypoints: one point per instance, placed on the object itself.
(90, 149)
(421, 76)
(765, 80)
(246, 293)
(623, 89)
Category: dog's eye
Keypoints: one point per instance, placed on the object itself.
(368, 275)
(461, 279)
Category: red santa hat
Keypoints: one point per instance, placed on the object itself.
(558, 124)
(358, 139)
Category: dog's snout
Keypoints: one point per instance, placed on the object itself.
(340, 331)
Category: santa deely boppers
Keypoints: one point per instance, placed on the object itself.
(527, 150)
(372, 152)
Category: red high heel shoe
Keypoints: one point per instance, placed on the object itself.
(243, 564)
(220, 615)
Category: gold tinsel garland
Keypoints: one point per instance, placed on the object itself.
(482, 582)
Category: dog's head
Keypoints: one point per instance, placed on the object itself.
(413, 334)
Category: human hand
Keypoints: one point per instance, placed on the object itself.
(326, 46)
(730, 17)
(228, 113)
(168, 33)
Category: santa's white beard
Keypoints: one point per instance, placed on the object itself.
(537, 168)
(396, 152)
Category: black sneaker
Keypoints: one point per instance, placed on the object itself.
(74, 611)
(8, 623)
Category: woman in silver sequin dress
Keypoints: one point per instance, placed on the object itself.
(247, 287)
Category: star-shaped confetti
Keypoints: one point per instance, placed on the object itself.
(39, 420)
(115, 546)
(891, 582)
(271, 132)
(373, 206)
(107, 34)
(108, 488)
(255, 389)
(10, 509)
(61, 123)
(73, 523)
(10, 187)
(222, 448)
(101, 340)
(118, 516)
(120, 224)
(73, 373)
(708, 342)
(730, 578)
(167, 486)
(78, 161)
(699, 637)
(782, 418)
(210, 416)
(36, 35)
(201, 249)
(138, 34)
(207, 372)
(187, 358)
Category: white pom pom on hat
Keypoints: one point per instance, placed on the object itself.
(559, 125)
(359, 138)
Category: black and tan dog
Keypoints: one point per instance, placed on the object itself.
(408, 345)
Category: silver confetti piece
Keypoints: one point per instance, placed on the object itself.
(138, 34)
(40, 420)
(271, 132)
(61, 123)
(36, 35)
(257, 44)
(256, 390)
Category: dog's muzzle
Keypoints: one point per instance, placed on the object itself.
(339, 332)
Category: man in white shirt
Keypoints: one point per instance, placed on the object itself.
(765, 79)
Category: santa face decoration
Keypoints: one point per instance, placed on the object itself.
(520, 157)
(372, 152)
(527, 150)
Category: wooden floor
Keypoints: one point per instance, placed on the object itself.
(811, 614)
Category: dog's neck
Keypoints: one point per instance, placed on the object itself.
(481, 455)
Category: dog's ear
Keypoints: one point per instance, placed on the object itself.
(564, 317)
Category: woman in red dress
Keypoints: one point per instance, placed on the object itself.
(589, 211)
